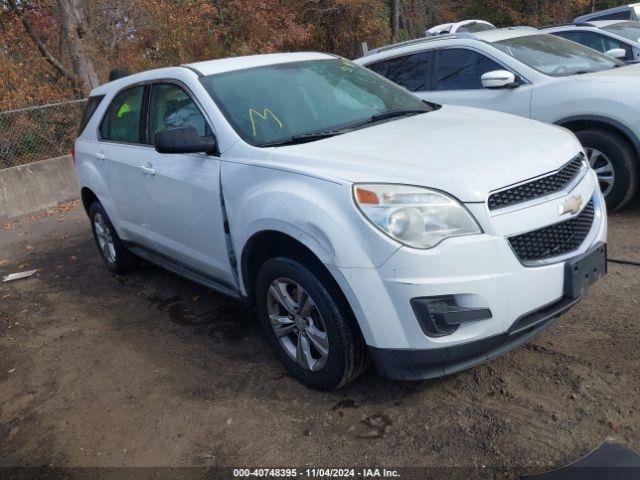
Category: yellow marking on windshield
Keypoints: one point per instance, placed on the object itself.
(264, 115)
(346, 66)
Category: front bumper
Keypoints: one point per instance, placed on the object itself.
(480, 272)
(439, 362)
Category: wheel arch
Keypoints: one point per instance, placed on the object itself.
(584, 122)
(270, 243)
(266, 244)
(88, 197)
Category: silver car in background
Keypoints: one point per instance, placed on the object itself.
(524, 71)
(624, 12)
(617, 38)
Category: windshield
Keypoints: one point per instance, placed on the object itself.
(266, 105)
(555, 56)
(628, 30)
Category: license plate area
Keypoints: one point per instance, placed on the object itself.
(583, 271)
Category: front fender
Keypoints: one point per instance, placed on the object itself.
(318, 213)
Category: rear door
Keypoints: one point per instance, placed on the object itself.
(120, 151)
(457, 80)
(181, 192)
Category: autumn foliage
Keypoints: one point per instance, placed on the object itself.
(143, 34)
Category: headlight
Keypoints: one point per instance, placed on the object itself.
(415, 216)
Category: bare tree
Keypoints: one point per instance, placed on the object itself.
(44, 51)
(73, 33)
(74, 28)
(395, 19)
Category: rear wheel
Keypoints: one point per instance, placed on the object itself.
(615, 163)
(308, 325)
(114, 254)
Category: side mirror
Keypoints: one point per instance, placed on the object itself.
(616, 53)
(499, 79)
(184, 140)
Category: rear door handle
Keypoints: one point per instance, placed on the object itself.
(100, 156)
(147, 170)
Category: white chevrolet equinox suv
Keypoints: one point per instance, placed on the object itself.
(361, 222)
(526, 72)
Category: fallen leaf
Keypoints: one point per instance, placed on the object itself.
(29, 247)
(3, 262)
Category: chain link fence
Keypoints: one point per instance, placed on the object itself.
(37, 133)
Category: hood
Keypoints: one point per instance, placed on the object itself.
(628, 73)
(465, 152)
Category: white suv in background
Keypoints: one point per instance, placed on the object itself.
(523, 71)
(617, 38)
(358, 220)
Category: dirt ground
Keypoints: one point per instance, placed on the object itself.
(152, 370)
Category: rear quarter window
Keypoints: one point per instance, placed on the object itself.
(89, 109)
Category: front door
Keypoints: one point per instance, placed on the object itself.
(181, 192)
(457, 81)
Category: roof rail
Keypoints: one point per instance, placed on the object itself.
(570, 24)
(417, 41)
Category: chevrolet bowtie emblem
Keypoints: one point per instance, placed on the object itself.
(572, 205)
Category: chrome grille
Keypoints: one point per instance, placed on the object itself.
(554, 240)
(537, 188)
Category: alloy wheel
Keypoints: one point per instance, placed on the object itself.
(297, 324)
(104, 237)
(603, 168)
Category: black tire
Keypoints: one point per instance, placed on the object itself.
(623, 160)
(119, 261)
(348, 356)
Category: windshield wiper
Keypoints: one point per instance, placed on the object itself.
(398, 113)
(303, 138)
(388, 115)
(312, 136)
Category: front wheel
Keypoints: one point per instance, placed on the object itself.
(114, 254)
(615, 163)
(308, 325)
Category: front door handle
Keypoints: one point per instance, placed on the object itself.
(147, 170)
(100, 156)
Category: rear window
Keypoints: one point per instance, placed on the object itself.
(89, 110)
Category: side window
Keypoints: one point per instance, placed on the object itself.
(591, 40)
(89, 109)
(122, 121)
(596, 41)
(461, 69)
(170, 107)
(622, 15)
(413, 72)
(611, 43)
(573, 36)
